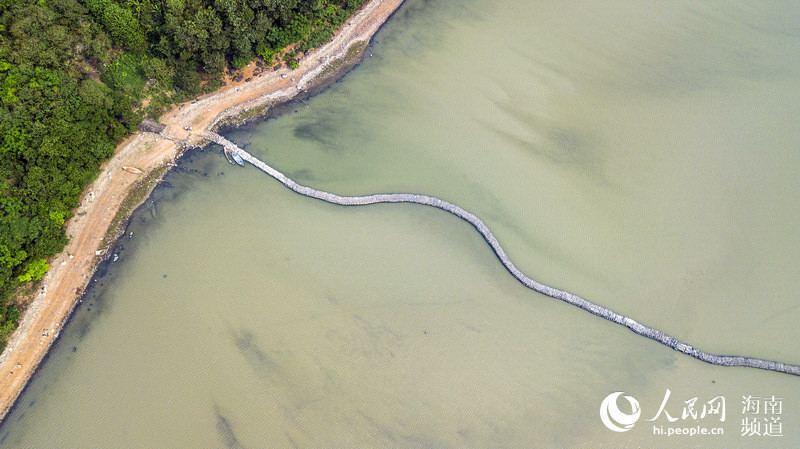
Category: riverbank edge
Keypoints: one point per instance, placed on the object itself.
(313, 80)
(249, 112)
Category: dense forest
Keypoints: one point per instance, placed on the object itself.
(73, 77)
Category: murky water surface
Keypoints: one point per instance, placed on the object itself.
(644, 155)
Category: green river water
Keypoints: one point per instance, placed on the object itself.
(644, 155)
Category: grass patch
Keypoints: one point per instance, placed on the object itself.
(245, 116)
(135, 197)
(354, 51)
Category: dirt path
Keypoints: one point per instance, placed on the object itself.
(71, 270)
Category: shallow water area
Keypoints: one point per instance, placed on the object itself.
(642, 156)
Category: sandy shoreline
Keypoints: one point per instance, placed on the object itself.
(71, 270)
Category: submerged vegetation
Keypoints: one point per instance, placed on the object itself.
(75, 76)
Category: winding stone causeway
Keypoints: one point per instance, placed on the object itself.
(637, 328)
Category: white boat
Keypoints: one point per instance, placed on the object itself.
(237, 158)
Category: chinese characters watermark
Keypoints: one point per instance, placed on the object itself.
(762, 416)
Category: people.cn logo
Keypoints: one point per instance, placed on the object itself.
(614, 418)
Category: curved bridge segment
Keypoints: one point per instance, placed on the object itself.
(610, 315)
